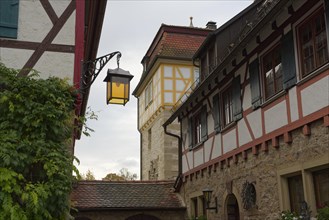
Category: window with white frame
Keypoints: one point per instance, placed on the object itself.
(313, 42)
(272, 72)
(198, 131)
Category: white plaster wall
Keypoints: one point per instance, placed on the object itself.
(59, 6)
(229, 141)
(246, 104)
(189, 156)
(293, 104)
(217, 151)
(244, 135)
(168, 71)
(168, 97)
(276, 117)
(207, 149)
(255, 121)
(184, 164)
(14, 58)
(56, 64)
(316, 96)
(185, 71)
(180, 85)
(33, 21)
(168, 84)
(198, 157)
(67, 34)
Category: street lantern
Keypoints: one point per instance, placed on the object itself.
(118, 83)
(118, 80)
(207, 196)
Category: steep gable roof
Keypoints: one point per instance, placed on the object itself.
(172, 42)
(108, 195)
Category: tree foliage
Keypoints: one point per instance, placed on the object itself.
(88, 176)
(36, 127)
(124, 175)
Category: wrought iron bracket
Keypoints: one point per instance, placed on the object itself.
(92, 68)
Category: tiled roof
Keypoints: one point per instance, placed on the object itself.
(179, 45)
(89, 195)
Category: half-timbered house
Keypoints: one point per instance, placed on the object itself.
(168, 74)
(51, 37)
(255, 130)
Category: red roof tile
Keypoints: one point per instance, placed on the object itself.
(88, 195)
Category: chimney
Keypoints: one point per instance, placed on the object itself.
(211, 25)
(191, 22)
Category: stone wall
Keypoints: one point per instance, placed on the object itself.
(160, 158)
(263, 170)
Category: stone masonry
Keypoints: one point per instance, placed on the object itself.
(261, 170)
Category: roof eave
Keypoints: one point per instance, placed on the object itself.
(226, 61)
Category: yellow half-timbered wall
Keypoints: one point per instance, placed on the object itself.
(169, 83)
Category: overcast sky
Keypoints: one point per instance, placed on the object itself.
(129, 27)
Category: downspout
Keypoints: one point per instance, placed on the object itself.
(140, 142)
(179, 177)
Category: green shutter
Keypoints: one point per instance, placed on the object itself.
(216, 112)
(288, 61)
(255, 84)
(204, 129)
(8, 18)
(236, 95)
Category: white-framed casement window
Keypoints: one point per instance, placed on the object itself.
(272, 72)
(227, 105)
(312, 42)
(148, 94)
(198, 132)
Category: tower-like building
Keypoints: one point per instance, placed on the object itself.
(168, 72)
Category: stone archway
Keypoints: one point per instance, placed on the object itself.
(232, 207)
(142, 217)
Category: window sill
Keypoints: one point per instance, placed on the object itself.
(273, 98)
(198, 145)
(313, 74)
(227, 127)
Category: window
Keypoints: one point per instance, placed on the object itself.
(148, 95)
(321, 187)
(198, 207)
(313, 43)
(198, 131)
(8, 18)
(227, 106)
(197, 128)
(272, 72)
(296, 192)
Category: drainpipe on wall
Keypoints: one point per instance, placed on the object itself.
(178, 181)
(140, 143)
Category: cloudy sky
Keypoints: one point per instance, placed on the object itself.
(129, 27)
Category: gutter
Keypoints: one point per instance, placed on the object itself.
(253, 32)
(178, 181)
